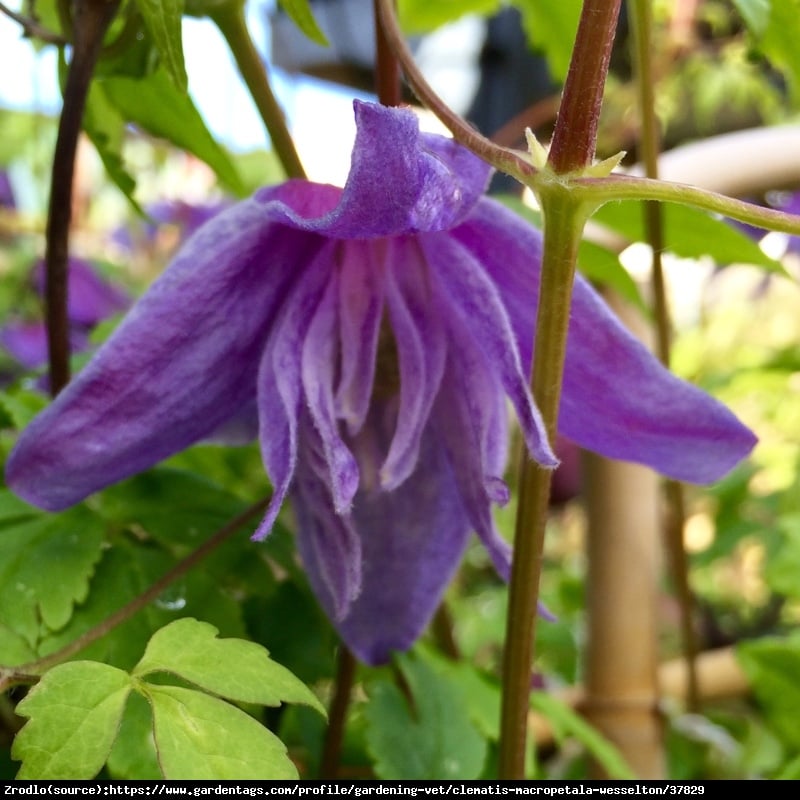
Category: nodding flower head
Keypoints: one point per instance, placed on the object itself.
(373, 337)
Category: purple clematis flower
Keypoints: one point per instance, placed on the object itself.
(377, 332)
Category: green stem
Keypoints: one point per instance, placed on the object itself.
(599, 191)
(337, 717)
(564, 217)
(230, 19)
(563, 229)
(91, 21)
(28, 673)
(641, 17)
(387, 67)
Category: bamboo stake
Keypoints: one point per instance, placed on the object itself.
(623, 537)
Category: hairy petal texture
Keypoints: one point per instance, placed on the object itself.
(176, 369)
(412, 540)
(617, 399)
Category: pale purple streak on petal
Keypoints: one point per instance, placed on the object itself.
(412, 540)
(421, 351)
(327, 542)
(180, 364)
(361, 308)
(466, 287)
(468, 412)
(319, 366)
(617, 399)
(280, 381)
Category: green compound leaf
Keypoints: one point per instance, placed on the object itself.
(199, 737)
(300, 13)
(73, 716)
(163, 20)
(434, 740)
(45, 566)
(567, 722)
(231, 668)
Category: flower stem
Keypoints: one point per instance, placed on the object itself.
(337, 717)
(575, 134)
(230, 19)
(564, 217)
(387, 67)
(564, 225)
(91, 21)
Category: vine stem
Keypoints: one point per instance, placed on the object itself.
(27, 673)
(564, 217)
(337, 715)
(641, 18)
(230, 19)
(92, 19)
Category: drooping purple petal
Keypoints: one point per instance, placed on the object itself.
(476, 299)
(318, 370)
(617, 399)
(421, 350)
(398, 183)
(361, 299)
(328, 543)
(470, 416)
(180, 364)
(280, 382)
(412, 540)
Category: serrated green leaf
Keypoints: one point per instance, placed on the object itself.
(13, 510)
(434, 740)
(772, 666)
(133, 756)
(232, 668)
(199, 737)
(300, 13)
(175, 507)
(565, 721)
(155, 105)
(73, 715)
(14, 650)
(689, 233)
(481, 695)
(422, 16)
(45, 566)
(127, 569)
(550, 26)
(163, 20)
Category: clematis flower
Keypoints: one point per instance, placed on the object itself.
(378, 333)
